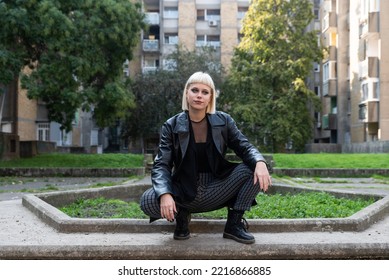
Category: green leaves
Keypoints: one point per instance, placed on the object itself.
(75, 50)
(268, 71)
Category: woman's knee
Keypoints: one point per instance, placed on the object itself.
(244, 171)
(148, 202)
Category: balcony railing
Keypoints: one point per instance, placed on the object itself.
(150, 45)
(215, 44)
(329, 21)
(374, 22)
(330, 88)
(329, 122)
(368, 111)
(149, 69)
(369, 68)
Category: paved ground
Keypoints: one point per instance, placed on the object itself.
(14, 187)
(362, 185)
(23, 235)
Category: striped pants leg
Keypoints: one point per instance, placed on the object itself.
(212, 193)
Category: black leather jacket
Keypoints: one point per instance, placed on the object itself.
(174, 142)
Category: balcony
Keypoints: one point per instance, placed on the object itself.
(329, 22)
(330, 88)
(332, 53)
(213, 44)
(370, 26)
(369, 68)
(374, 22)
(149, 69)
(368, 111)
(150, 45)
(329, 122)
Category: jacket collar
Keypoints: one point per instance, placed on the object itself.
(182, 123)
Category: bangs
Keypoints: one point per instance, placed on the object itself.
(201, 78)
(205, 79)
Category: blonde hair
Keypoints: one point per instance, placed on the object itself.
(201, 78)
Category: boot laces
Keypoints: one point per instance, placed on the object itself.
(245, 224)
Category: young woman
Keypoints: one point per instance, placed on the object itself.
(190, 173)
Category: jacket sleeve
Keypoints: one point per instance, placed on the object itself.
(161, 174)
(239, 143)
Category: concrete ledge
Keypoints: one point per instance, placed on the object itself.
(72, 172)
(125, 172)
(330, 172)
(44, 207)
(201, 251)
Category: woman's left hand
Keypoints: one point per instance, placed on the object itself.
(262, 176)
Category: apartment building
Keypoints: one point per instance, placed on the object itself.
(191, 23)
(25, 127)
(354, 81)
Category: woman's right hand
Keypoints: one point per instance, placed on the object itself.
(168, 207)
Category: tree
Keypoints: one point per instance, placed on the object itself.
(158, 94)
(70, 54)
(266, 89)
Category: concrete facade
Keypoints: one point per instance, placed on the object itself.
(354, 72)
(190, 23)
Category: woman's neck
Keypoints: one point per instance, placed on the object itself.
(196, 116)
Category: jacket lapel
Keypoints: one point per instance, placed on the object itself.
(182, 130)
(217, 124)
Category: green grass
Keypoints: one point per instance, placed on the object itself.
(103, 208)
(324, 160)
(302, 205)
(78, 160)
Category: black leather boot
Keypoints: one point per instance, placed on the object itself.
(183, 218)
(236, 228)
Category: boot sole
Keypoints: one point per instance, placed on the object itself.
(244, 241)
(181, 237)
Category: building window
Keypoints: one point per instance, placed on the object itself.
(94, 137)
(171, 39)
(370, 90)
(329, 71)
(170, 12)
(126, 68)
(325, 23)
(66, 138)
(211, 14)
(208, 40)
(150, 65)
(240, 37)
(316, 14)
(169, 64)
(43, 132)
(200, 14)
(242, 12)
(317, 91)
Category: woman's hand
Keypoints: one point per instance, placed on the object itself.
(262, 176)
(168, 207)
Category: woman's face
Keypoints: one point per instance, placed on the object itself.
(198, 96)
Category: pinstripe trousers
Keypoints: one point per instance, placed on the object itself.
(212, 193)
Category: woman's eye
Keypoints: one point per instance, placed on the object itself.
(194, 90)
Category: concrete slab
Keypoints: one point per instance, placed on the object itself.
(45, 206)
(24, 236)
